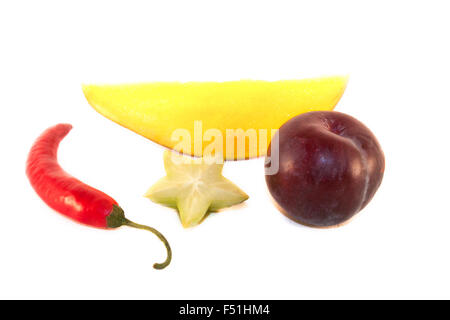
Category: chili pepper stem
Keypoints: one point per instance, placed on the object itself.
(117, 218)
(158, 266)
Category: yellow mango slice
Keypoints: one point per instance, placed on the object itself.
(175, 113)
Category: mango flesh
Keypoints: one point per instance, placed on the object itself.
(156, 110)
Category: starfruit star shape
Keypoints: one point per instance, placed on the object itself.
(194, 186)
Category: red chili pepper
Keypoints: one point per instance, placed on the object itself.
(70, 196)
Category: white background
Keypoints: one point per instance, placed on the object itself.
(397, 54)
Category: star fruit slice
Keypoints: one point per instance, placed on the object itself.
(194, 186)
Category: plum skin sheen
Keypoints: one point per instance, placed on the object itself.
(330, 166)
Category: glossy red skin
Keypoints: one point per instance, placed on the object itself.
(330, 166)
(58, 189)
